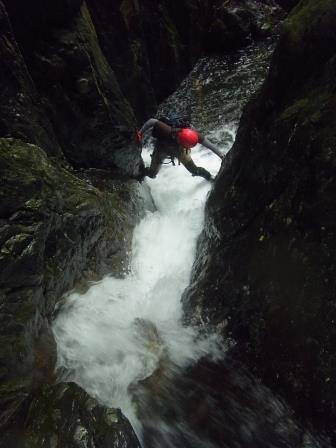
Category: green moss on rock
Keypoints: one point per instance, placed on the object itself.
(57, 230)
(305, 16)
(275, 236)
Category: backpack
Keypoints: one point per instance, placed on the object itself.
(176, 121)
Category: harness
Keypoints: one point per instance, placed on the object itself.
(169, 135)
(173, 133)
(171, 160)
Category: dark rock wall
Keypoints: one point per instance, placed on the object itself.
(288, 4)
(266, 270)
(171, 35)
(21, 111)
(91, 117)
(121, 35)
(56, 230)
(79, 106)
(63, 416)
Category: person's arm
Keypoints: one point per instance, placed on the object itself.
(148, 125)
(205, 142)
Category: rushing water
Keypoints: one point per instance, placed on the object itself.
(116, 334)
(123, 340)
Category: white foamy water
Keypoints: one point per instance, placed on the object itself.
(115, 334)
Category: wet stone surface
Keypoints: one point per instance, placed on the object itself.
(266, 260)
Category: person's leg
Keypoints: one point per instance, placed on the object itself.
(189, 164)
(156, 163)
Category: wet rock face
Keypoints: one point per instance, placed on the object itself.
(21, 111)
(236, 23)
(177, 33)
(31, 19)
(288, 4)
(65, 416)
(215, 404)
(151, 45)
(266, 269)
(91, 117)
(56, 230)
(63, 92)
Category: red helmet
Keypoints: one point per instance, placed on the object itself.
(187, 138)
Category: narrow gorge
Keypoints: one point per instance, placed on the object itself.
(167, 312)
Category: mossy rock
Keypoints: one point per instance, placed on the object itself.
(305, 17)
(57, 230)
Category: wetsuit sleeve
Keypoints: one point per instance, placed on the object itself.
(148, 125)
(205, 142)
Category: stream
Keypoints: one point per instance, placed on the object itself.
(123, 340)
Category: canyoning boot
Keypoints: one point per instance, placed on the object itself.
(196, 170)
(146, 171)
(149, 173)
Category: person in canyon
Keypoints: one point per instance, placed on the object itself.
(175, 140)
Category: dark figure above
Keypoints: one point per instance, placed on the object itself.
(175, 142)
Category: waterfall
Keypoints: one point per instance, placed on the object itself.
(118, 331)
